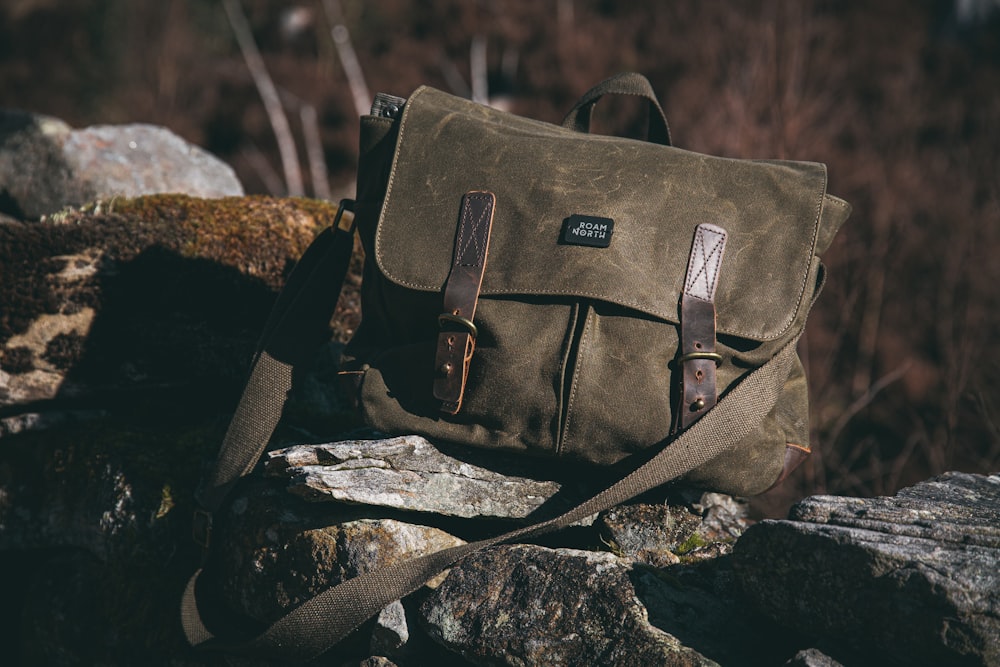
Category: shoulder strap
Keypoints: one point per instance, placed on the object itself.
(297, 326)
(321, 622)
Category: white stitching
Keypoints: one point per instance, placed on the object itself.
(704, 262)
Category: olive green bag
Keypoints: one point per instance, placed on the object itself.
(537, 289)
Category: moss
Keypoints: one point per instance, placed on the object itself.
(694, 541)
(613, 547)
(256, 234)
(166, 502)
(181, 286)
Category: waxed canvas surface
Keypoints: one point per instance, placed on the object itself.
(576, 347)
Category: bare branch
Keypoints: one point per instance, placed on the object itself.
(265, 172)
(348, 57)
(453, 78)
(268, 95)
(314, 150)
(477, 70)
(866, 399)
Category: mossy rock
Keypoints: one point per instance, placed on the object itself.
(152, 292)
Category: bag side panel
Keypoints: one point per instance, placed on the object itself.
(753, 465)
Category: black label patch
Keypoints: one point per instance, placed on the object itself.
(588, 230)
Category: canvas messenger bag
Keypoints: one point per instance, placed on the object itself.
(537, 289)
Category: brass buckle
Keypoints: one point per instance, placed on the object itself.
(691, 356)
(448, 318)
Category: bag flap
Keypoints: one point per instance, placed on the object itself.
(655, 195)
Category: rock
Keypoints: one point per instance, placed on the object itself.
(650, 534)
(664, 535)
(723, 517)
(910, 579)
(31, 421)
(391, 631)
(60, 620)
(95, 538)
(812, 658)
(159, 293)
(375, 661)
(46, 166)
(276, 552)
(490, 611)
(407, 473)
(90, 490)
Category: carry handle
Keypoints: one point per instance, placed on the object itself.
(626, 83)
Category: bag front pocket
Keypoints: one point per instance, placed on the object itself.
(512, 398)
(619, 400)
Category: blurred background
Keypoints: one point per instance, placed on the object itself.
(901, 99)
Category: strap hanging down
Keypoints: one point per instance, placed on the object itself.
(457, 340)
(297, 326)
(698, 356)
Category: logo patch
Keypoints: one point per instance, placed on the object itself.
(588, 230)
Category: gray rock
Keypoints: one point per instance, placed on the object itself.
(95, 539)
(391, 631)
(407, 473)
(812, 658)
(46, 166)
(723, 517)
(276, 553)
(910, 579)
(374, 661)
(528, 605)
(651, 534)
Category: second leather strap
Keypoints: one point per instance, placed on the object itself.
(698, 356)
(457, 338)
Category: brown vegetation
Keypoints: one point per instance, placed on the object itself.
(898, 98)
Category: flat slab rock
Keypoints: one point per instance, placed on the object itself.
(407, 473)
(911, 579)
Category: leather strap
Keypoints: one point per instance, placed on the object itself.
(795, 455)
(457, 339)
(698, 356)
